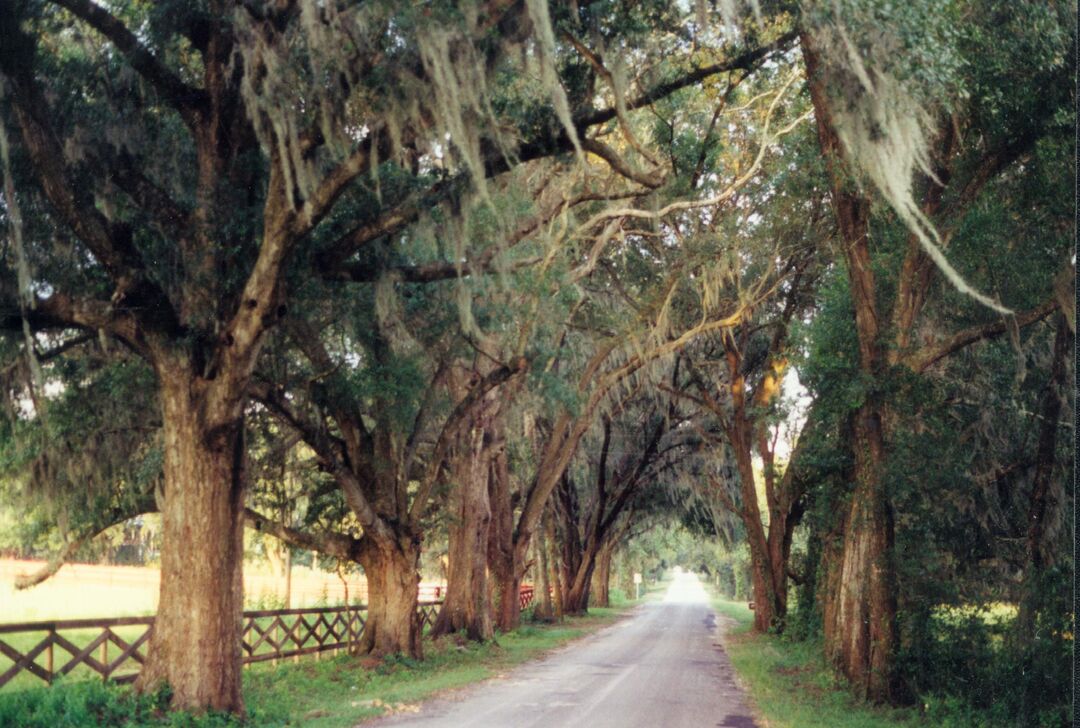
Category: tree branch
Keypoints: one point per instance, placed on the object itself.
(923, 359)
(114, 517)
(339, 545)
(187, 100)
(463, 409)
(111, 243)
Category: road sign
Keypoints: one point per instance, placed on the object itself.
(637, 578)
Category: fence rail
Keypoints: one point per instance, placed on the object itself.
(266, 634)
(526, 595)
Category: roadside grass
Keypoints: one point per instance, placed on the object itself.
(334, 692)
(789, 684)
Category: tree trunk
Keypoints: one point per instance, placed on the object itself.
(577, 596)
(467, 606)
(602, 578)
(195, 645)
(288, 578)
(544, 610)
(557, 591)
(393, 624)
(507, 596)
(767, 609)
(503, 562)
(860, 625)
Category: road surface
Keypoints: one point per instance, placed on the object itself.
(660, 667)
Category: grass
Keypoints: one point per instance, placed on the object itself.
(333, 692)
(338, 693)
(789, 684)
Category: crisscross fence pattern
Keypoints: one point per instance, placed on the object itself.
(58, 653)
(115, 648)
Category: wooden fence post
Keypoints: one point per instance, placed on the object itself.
(49, 655)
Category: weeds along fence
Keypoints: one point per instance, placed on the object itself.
(114, 649)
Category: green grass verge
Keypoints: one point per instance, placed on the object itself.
(328, 693)
(790, 685)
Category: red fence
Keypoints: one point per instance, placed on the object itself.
(526, 595)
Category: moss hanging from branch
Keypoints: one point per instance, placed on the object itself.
(36, 384)
(882, 125)
(545, 41)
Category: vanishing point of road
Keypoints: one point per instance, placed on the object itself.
(662, 666)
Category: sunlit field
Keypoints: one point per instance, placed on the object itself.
(80, 591)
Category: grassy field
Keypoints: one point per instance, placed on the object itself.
(789, 684)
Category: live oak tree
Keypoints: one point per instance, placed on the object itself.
(176, 185)
(970, 148)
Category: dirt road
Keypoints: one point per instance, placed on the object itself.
(661, 667)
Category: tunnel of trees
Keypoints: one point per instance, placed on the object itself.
(781, 289)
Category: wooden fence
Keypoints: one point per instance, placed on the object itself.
(267, 634)
(526, 595)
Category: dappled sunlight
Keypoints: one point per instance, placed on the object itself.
(686, 588)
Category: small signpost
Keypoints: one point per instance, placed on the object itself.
(637, 585)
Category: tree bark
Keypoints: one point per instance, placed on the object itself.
(505, 563)
(767, 607)
(507, 583)
(577, 595)
(195, 645)
(557, 591)
(467, 605)
(860, 627)
(544, 610)
(392, 571)
(602, 578)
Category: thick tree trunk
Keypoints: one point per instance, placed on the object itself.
(467, 604)
(860, 625)
(195, 646)
(577, 595)
(507, 582)
(503, 561)
(602, 578)
(557, 590)
(392, 625)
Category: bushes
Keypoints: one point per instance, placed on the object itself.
(970, 668)
(88, 704)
